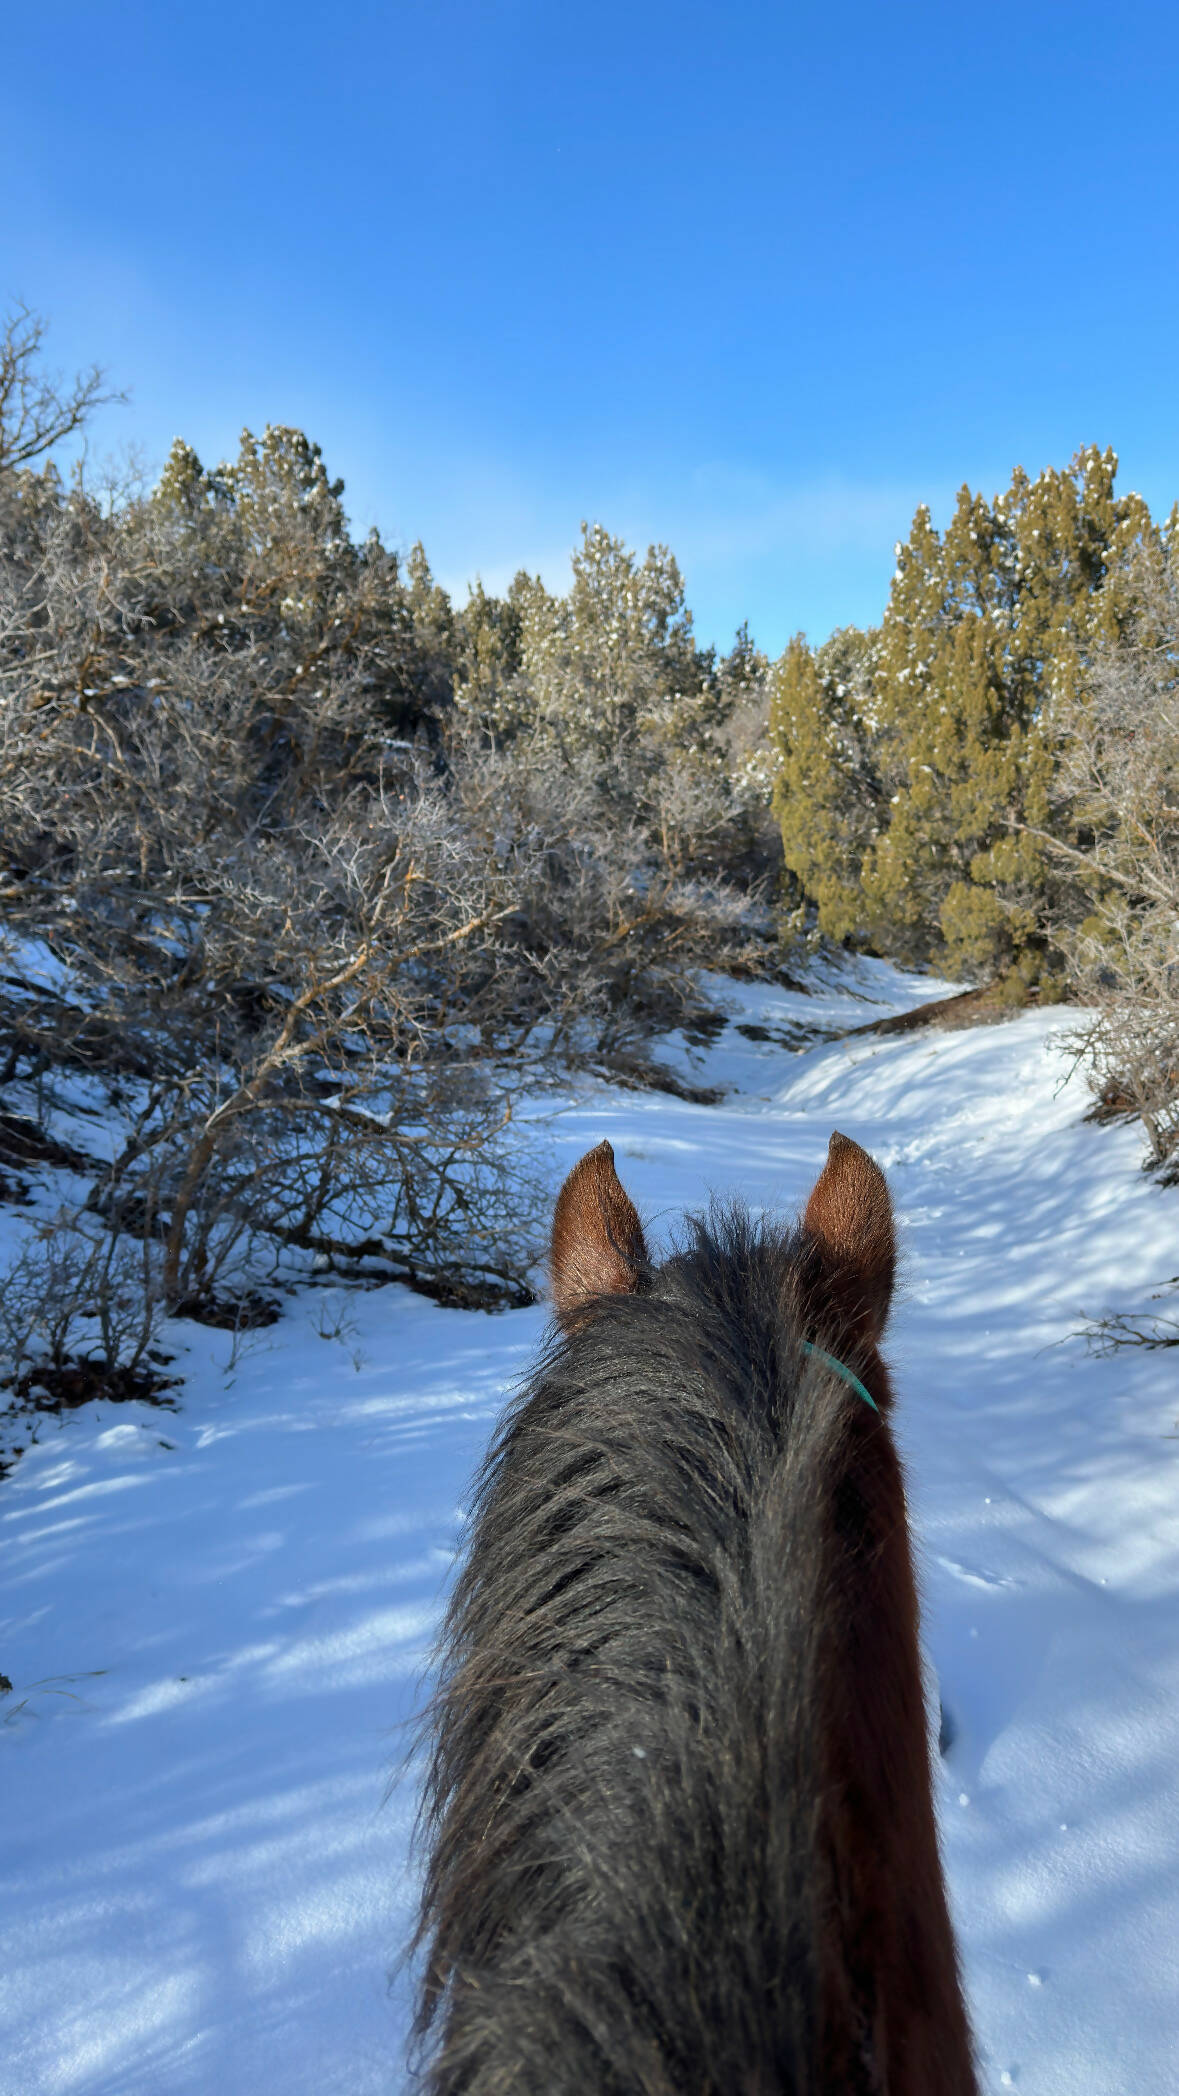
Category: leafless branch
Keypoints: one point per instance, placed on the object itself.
(38, 410)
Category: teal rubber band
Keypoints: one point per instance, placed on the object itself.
(845, 1375)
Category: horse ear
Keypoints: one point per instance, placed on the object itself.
(849, 1215)
(597, 1244)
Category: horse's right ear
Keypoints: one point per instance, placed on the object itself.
(849, 1215)
(597, 1244)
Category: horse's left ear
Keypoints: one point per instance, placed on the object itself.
(597, 1244)
(849, 1215)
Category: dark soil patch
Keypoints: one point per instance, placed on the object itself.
(46, 1388)
(456, 1294)
(704, 1029)
(54, 1388)
(983, 1007)
(760, 969)
(230, 1313)
(22, 1142)
(793, 1038)
(1113, 1103)
(125, 1209)
(636, 1074)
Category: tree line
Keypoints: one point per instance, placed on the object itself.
(309, 875)
(988, 781)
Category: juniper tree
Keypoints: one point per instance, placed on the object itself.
(911, 799)
(264, 539)
(609, 662)
(487, 645)
(827, 789)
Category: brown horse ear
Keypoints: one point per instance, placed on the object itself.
(849, 1215)
(597, 1243)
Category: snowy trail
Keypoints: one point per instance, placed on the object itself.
(202, 1884)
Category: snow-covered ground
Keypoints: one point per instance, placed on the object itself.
(216, 1620)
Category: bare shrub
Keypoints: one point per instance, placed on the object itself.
(76, 1291)
(1120, 768)
(307, 876)
(37, 410)
(1150, 1329)
(616, 707)
(255, 915)
(309, 961)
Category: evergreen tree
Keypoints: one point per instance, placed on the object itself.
(262, 541)
(827, 792)
(910, 796)
(184, 488)
(488, 638)
(614, 659)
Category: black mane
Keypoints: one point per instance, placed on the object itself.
(627, 1882)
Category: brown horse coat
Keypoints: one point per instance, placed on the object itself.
(679, 1820)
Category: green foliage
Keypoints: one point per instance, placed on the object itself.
(488, 638)
(827, 791)
(919, 762)
(614, 659)
(260, 545)
(607, 685)
(607, 667)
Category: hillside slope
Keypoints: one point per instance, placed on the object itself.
(215, 1620)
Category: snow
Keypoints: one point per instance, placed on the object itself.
(217, 1620)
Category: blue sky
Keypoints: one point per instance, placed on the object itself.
(751, 279)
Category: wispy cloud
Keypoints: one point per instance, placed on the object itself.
(814, 552)
(731, 513)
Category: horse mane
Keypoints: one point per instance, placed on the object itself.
(685, 1622)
